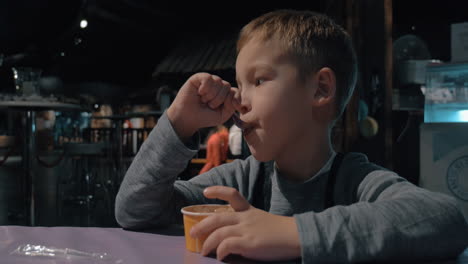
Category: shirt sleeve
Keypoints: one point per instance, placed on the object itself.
(147, 188)
(392, 219)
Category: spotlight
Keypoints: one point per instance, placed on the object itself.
(83, 23)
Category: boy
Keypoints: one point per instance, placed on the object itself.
(295, 73)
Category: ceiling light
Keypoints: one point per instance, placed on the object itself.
(83, 23)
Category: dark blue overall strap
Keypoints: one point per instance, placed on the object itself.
(262, 187)
(331, 181)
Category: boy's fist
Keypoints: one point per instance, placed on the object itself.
(204, 100)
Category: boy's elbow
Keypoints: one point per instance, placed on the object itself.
(457, 213)
(123, 218)
(122, 222)
(458, 225)
(126, 221)
(129, 218)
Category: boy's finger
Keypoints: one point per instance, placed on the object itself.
(228, 194)
(207, 90)
(209, 87)
(220, 97)
(216, 237)
(228, 107)
(213, 222)
(231, 245)
(236, 100)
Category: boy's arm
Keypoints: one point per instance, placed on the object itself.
(147, 194)
(150, 195)
(393, 219)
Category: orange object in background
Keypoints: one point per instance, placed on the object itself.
(217, 148)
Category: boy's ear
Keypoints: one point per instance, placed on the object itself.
(326, 87)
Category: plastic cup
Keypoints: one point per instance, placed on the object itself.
(194, 214)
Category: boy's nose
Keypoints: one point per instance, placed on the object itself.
(241, 103)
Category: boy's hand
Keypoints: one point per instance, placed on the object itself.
(204, 100)
(248, 232)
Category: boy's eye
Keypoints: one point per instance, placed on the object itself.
(258, 82)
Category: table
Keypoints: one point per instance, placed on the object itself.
(127, 246)
(29, 109)
(123, 247)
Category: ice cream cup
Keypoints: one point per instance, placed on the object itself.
(194, 214)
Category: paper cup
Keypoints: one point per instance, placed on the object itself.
(194, 214)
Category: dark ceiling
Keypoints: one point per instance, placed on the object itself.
(121, 46)
(125, 40)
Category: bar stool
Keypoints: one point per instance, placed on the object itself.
(77, 192)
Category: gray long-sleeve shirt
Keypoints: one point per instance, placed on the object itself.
(389, 218)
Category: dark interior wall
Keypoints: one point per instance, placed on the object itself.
(370, 48)
(429, 20)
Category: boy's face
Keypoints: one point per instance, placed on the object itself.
(275, 102)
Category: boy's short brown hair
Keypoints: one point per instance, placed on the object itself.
(314, 41)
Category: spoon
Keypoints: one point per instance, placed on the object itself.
(237, 121)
